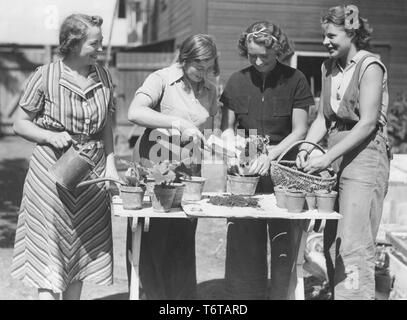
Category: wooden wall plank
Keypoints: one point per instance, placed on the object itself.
(300, 20)
(175, 21)
(130, 72)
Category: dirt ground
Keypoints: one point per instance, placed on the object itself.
(14, 155)
(210, 239)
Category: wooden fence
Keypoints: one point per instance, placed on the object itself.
(129, 72)
(15, 66)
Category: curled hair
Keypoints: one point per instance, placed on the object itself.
(361, 36)
(74, 29)
(269, 35)
(199, 47)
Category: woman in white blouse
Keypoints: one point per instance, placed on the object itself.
(175, 101)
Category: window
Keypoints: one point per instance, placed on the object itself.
(309, 63)
(122, 9)
(137, 16)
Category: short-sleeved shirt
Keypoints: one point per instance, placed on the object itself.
(64, 106)
(171, 95)
(267, 106)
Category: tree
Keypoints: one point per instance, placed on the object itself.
(397, 124)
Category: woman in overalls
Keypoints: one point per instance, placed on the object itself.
(352, 111)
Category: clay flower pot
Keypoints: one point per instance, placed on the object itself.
(179, 187)
(294, 200)
(132, 197)
(242, 185)
(326, 200)
(162, 198)
(311, 201)
(193, 188)
(279, 193)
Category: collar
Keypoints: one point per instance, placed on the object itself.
(272, 78)
(356, 58)
(176, 73)
(67, 79)
(269, 75)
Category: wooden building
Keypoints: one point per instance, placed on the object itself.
(173, 20)
(29, 37)
(147, 33)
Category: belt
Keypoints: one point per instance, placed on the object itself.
(347, 126)
(85, 138)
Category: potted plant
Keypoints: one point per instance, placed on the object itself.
(193, 185)
(311, 200)
(164, 191)
(294, 199)
(239, 181)
(132, 193)
(279, 193)
(326, 200)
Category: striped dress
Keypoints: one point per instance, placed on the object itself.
(64, 236)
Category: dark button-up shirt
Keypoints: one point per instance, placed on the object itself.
(267, 106)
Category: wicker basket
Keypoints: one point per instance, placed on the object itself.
(282, 173)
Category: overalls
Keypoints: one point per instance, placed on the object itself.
(349, 244)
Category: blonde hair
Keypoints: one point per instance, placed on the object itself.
(199, 47)
(74, 29)
(361, 36)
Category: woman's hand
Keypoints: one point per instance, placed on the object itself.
(317, 164)
(302, 159)
(59, 140)
(190, 132)
(260, 166)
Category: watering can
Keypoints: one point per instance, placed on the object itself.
(74, 165)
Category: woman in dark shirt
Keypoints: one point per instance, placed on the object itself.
(273, 99)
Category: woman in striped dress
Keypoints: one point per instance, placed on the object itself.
(65, 237)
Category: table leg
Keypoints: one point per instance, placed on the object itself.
(299, 293)
(136, 229)
(300, 228)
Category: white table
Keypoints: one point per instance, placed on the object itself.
(303, 223)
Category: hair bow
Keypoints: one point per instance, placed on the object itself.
(262, 33)
(351, 17)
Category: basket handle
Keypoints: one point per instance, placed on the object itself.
(297, 143)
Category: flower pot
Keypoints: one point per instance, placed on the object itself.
(326, 201)
(193, 188)
(294, 200)
(279, 193)
(179, 187)
(242, 185)
(132, 197)
(310, 201)
(162, 198)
